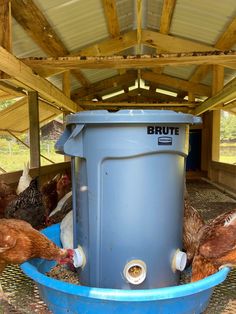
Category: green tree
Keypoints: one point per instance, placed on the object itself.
(227, 126)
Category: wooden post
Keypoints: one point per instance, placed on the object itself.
(66, 91)
(34, 129)
(5, 29)
(217, 85)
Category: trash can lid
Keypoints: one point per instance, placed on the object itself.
(132, 116)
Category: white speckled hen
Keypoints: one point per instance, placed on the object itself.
(28, 206)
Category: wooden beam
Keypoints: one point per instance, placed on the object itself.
(198, 89)
(5, 25)
(166, 16)
(22, 73)
(139, 24)
(131, 61)
(151, 96)
(28, 15)
(111, 17)
(217, 85)
(172, 44)
(5, 28)
(226, 41)
(109, 46)
(217, 78)
(111, 105)
(34, 129)
(106, 47)
(66, 83)
(114, 81)
(15, 92)
(225, 95)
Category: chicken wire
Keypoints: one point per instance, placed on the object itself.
(24, 296)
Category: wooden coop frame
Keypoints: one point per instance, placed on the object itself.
(28, 77)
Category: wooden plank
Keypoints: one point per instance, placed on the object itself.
(111, 105)
(126, 104)
(5, 24)
(166, 15)
(114, 81)
(131, 61)
(34, 129)
(139, 24)
(226, 94)
(228, 38)
(66, 83)
(109, 46)
(197, 89)
(105, 47)
(16, 92)
(111, 17)
(217, 85)
(13, 177)
(172, 44)
(5, 28)
(28, 15)
(226, 41)
(217, 79)
(149, 95)
(22, 73)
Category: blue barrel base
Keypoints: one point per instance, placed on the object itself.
(62, 297)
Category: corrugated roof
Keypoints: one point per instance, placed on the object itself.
(80, 23)
(9, 117)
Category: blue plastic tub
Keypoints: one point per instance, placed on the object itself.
(63, 297)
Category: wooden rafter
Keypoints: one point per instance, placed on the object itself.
(134, 104)
(173, 44)
(225, 95)
(115, 81)
(24, 75)
(38, 28)
(111, 17)
(179, 84)
(152, 96)
(138, 62)
(226, 41)
(105, 47)
(5, 28)
(139, 25)
(5, 24)
(166, 16)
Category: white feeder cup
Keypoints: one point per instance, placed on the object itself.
(135, 272)
(79, 258)
(179, 261)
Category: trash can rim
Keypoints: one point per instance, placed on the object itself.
(132, 116)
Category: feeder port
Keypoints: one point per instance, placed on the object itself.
(135, 272)
(179, 261)
(79, 258)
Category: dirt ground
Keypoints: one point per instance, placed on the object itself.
(209, 200)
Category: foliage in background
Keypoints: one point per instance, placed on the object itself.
(227, 126)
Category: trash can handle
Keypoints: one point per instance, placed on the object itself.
(197, 120)
(71, 143)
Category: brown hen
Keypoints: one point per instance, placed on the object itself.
(7, 194)
(217, 246)
(192, 230)
(19, 242)
(63, 186)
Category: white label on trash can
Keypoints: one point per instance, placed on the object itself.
(164, 140)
